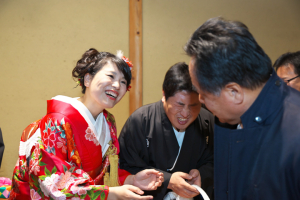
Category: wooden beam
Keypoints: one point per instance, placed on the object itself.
(136, 54)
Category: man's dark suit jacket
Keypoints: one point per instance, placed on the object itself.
(1, 147)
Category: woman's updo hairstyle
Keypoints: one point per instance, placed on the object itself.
(92, 61)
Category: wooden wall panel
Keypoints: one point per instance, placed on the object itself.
(136, 54)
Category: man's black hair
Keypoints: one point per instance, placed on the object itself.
(224, 52)
(177, 79)
(289, 58)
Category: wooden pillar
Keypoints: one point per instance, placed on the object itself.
(135, 54)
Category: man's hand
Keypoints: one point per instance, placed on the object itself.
(148, 179)
(179, 185)
(196, 180)
(127, 192)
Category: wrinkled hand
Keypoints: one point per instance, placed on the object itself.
(180, 186)
(148, 179)
(126, 192)
(196, 178)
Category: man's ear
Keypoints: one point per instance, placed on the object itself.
(234, 93)
(87, 80)
(163, 99)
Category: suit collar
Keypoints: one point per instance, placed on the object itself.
(169, 136)
(266, 105)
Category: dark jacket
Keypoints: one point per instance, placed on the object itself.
(1, 147)
(147, 140)
(262, 160)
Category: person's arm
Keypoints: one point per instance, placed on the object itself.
(134, 155)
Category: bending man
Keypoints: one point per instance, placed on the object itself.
(173, 135)
(257, 152)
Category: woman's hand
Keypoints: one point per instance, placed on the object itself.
(148, 179)
(126, 192)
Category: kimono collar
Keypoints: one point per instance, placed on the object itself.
(164, 118)
(169, 134)
(80, 107)
(266, 105)
(98, 126)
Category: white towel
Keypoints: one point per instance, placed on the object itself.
(174, 196)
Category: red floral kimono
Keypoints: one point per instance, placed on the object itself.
(60, 156)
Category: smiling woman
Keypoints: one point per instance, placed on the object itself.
(104, 78)
(73, 150)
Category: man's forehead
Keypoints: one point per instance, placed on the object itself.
(189, 103)
(287, 69)
(186, 97)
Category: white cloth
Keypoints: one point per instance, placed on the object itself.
(98, 126)
(25, 147)
(174, 196)
(239, 126)
(179, 137)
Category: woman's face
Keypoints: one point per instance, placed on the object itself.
(106, 88)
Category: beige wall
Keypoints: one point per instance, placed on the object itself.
(39, 45)
(168, 24)
(42, 40)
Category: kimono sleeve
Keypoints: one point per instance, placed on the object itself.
(48, 173)
(51, 177)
